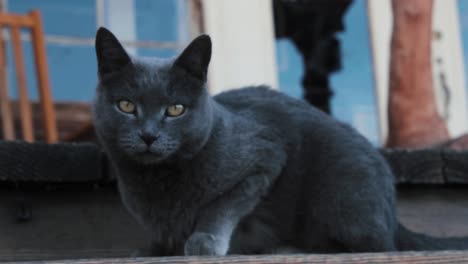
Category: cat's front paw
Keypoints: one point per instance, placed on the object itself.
(204, 244)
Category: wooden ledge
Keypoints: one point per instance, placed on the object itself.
(392, 257)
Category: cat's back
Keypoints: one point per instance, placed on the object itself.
(266, 105)
(297, 123)
(260, 96)
(279, 112)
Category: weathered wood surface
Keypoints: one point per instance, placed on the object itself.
(76, 223)
(412, 113)
(392, 257)
(428, 166)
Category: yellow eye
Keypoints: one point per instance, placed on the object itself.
(126, 106)
(175, 110)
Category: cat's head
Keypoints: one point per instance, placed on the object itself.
(151, 110)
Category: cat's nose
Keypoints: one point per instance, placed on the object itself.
(148, 138)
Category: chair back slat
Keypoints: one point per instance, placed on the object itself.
(16, 20)
(15, 23)
(40, 59)
(24, 105)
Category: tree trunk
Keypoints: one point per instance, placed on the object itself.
(412, 113)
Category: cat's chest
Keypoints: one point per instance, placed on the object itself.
(165, 198)
(163, 189)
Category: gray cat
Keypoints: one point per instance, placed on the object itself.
(249, 171)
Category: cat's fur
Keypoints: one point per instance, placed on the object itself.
(247, 171)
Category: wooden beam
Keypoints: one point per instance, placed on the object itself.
(391, 257)
(413, 118)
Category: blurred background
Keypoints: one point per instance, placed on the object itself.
(334, 51)
(250, 50)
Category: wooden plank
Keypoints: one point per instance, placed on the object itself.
(392, 257)
(25, 107)
(49, 119)
(16, 20)
(5, 107)
(413, 118)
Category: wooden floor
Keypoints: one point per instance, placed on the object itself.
(68, 224)
(398, 257)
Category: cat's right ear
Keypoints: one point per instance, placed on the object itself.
(196, 57)
(111, 56)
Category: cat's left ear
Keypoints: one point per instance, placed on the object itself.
(111, 56)
(196, 57)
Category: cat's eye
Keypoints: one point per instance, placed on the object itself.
(126, 106)
(175, 110)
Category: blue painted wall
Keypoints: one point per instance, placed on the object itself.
(72, 68)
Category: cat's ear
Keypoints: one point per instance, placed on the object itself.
(196, 57)
(111, 56)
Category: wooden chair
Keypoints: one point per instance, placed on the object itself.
(15, 23)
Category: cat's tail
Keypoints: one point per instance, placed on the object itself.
(407, 240)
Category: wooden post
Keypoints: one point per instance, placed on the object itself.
(413, 118)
